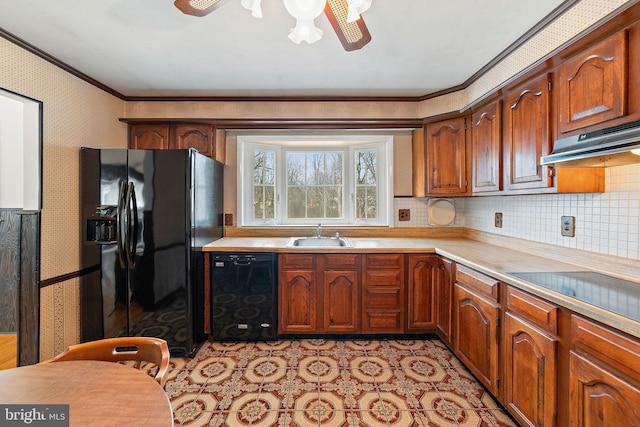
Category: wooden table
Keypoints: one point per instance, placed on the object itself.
(98, 393)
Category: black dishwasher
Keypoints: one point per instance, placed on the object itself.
(244, 303)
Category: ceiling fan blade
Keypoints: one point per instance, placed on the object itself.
(352, 35)
(198, 7)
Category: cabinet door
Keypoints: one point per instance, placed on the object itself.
(444, 285)
(476, 335)
(200, 137)
(298, 301)
(423, 269)
(486, 146)
(593, 85)
(341, 301)
(527, 135)
(530, 358)
(446, 157)
(149, 136)
(599, 397)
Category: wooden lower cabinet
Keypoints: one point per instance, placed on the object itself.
(297, 294)
(530, 372)
(444, 291)
(604, 378)
(422, 272)
(476, 334)
(383, 293)
(341, 298)
(319, 293)
(601, 397)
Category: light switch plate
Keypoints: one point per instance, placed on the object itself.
(568, 226)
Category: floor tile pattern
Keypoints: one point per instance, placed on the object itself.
(328, 383)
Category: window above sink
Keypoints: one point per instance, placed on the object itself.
(306, 179)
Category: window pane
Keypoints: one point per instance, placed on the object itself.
(296, 202)
(264, 167)
(334, 168)
(258, 205)
(314, 185)
(295, 168)
(366, 165)
(315, 202)
(333, 199)
(315, 169)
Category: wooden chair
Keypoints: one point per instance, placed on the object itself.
(138, 349)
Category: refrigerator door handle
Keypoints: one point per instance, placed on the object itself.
(120, 224)
(131, 236)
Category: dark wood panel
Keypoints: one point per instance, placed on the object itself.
(29, 335)
(9, 269)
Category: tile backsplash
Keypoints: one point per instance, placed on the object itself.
(606, 223)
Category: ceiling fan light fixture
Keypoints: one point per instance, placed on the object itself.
(305, 12)
(254, 6)
(305, 31)
(356, 8)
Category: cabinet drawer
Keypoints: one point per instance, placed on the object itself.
(341, 261)
(382, 321)
(480, 282)
(288, 261)
(533, 309)
(384, 261)
(383, 297)
(615, 349)
(383, 277)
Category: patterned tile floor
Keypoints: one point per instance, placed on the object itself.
(328, 383)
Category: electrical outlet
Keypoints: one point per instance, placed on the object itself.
(498, 220)
(568, 226)
(228, 219)
(404, 214)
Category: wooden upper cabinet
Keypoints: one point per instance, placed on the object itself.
(164, 136)
(486, 148)
(149, 136)
(527, 135)
(200, 137)
(593, 85)
(446, 144)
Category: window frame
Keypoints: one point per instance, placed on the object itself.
(283, 144)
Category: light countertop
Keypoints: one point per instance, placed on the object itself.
(493, 260)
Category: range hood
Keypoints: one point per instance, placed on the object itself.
(601, 148)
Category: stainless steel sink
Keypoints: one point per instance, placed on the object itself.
(319, 242)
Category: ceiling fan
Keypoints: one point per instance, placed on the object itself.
(344, 16)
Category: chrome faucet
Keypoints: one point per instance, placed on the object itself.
(319, 231)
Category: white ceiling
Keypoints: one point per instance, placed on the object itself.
(150, 48)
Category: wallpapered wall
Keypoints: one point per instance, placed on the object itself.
(77, 114)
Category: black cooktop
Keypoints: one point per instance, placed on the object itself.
(610, 293)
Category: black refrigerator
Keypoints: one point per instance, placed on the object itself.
(145, 215)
